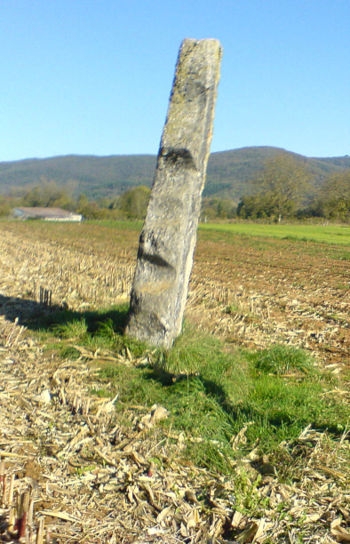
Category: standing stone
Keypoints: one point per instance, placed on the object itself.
(168, 238)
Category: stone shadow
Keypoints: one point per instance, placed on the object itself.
(209, 387)
(38, 316)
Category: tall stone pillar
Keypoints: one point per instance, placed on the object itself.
(168, 237)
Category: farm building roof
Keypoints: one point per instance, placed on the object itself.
(48, 214)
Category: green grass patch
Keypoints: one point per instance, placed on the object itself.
(225, 402)
(329, 234)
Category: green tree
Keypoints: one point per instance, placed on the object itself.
(5, 206)
(82, 202)
(217, 208)
(48, 194)
(255, 207)
(133, 203)
(334, 196)
(280, 189)
(93, 211)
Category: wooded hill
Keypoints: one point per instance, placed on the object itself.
(101, 177)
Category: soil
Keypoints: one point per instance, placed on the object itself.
(265, 292)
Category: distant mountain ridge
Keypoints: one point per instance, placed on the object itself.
(228, 172)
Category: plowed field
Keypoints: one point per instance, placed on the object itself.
(252, 292)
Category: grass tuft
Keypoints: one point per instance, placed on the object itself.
(283, 359)
(73, 330)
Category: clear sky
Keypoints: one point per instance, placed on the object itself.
(94, 76)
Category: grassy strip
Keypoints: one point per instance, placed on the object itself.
(330, 234)
(226, 403)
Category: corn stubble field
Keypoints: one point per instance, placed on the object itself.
(78, 467)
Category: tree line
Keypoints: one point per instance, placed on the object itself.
(282, 190)
(132, 204)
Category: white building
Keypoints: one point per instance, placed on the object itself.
(46, 214)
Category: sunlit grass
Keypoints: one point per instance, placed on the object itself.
(330, 234)
(212, 394)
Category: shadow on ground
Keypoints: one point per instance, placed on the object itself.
(37, 316)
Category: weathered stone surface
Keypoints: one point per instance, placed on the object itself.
(168, 238)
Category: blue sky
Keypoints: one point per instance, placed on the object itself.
(94, 76)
